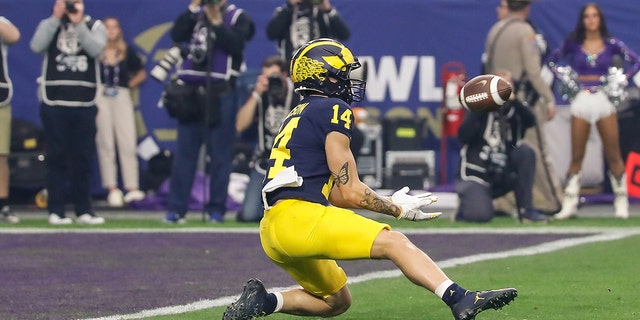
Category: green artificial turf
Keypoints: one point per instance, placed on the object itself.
(592, 281)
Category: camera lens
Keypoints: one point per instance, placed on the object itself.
(161, 70)
(275, 82)
(198, 55)
(70, 6)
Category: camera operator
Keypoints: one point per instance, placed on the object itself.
(299, 21)
(494, 161)
(216, 34)
(270, 100)
(70, 43)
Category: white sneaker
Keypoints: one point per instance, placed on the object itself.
(115, 198)
(8, 216)
(89, 219)
(134, 195)
(56, 220)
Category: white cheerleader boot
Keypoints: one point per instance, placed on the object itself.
(570, 200)
(621, 201)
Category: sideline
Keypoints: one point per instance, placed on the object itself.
(255, 230)
(603, 234)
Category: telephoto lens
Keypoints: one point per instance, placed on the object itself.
(161, 70)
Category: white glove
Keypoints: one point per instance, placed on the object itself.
(414, 207)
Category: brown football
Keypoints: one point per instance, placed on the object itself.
(486, 92)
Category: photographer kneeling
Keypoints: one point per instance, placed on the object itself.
(494, 161)
(213, 35)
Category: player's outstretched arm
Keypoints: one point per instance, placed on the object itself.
(350, 192)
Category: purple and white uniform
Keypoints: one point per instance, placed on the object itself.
(592, 103)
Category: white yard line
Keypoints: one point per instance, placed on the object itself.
(254, 230)
(601, 234)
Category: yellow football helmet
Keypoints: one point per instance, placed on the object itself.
(323, 66)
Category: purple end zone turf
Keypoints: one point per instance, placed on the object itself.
(78, 275)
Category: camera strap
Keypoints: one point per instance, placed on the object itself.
(488, 65)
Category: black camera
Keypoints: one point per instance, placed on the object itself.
(275, 83)
(70, 6)
(276, 87)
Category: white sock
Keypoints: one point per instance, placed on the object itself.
(280, 301)
(440, 290)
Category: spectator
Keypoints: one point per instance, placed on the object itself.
(71, 44)
(311, 180)
(299, 21)
(502, 10)
(590, 52)
(509, 47)
(9, 35)
(269, 103)
(122, 71)
(221, 50)
(494, 161)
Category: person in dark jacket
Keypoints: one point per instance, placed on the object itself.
(298, 21)
(214, 34)
(494, 161)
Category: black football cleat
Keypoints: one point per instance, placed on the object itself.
(476, 302)
(251, 303)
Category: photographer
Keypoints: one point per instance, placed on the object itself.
(268, 104)
(494, 161)
(9, 35)
(70, 43)
(216, 34)
(514, 44)
(298, 21)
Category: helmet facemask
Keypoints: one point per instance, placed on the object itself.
(344, 87)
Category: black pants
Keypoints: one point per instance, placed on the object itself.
(476, 199)
(70, 134)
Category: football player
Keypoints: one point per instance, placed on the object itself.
(310, 186)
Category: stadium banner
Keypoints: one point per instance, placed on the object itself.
(404, 42)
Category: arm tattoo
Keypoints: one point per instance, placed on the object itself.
(372, 201)
(342, 177)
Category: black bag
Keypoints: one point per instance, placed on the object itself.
(181, 101)
(186, 103)
(28, 169)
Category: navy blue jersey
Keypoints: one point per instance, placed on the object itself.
(301, 143)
